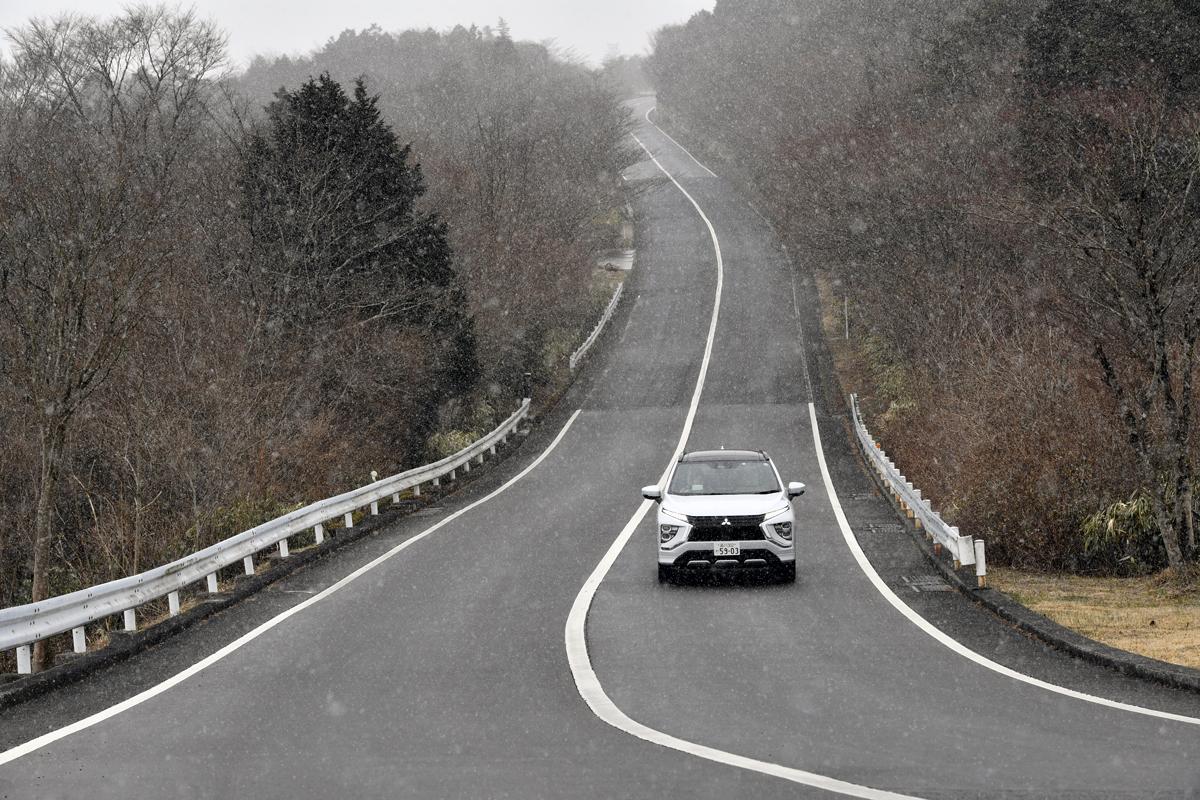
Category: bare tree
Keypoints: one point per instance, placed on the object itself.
(1126, 212)
(96, 120)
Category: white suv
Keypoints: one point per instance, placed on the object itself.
(725, 508)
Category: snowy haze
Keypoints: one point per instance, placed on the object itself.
(591, 30)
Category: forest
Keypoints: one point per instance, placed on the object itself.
(1004, 195)
(227, 293)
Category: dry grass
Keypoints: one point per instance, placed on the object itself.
(1157, 616)
(849, 365)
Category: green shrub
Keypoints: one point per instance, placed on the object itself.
(447, 443)
(1123, 538)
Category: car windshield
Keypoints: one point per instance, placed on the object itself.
(724, 477)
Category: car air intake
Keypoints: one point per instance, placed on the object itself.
(725, 529)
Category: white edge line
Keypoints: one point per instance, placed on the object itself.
(100, 716)
(936, 632)
(681, 147)
(575, 632)
(880, 584)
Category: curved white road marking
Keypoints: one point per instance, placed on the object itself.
(891, 597)
(180, 677)
(684, 149)
(576, 635)
(943, 638)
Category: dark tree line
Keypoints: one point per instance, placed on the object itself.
(218, 302)
(523, 152)
(1005, 190)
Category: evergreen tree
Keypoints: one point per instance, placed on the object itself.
(330, 200)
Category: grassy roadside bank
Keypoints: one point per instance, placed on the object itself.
(1157, 616)
(1149, 615)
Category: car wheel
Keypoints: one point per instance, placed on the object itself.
(786, 573)
(666, 574)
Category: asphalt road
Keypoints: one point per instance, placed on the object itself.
(441, 671)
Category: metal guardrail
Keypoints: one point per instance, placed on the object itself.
(21, 626)
(578, 355)
(963, 549)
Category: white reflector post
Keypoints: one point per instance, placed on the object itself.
(24, 660)
(980, 564)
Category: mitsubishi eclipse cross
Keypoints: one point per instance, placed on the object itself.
(725, 509)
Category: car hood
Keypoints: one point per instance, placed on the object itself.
(724, 505)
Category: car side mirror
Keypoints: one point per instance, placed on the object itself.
(795, 490)
(652, 493)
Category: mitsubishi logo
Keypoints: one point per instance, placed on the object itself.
(726, 522)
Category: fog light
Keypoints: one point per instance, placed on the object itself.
(667, 532)
(784, 530)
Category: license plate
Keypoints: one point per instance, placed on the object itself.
(727, 550)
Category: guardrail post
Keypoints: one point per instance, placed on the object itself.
(130, 620)
(479, 458)
(980, 564)
(248, 565)
(395, 498)
(79, 639)
(417, 490)
(466, 467)
(349, 519)
(319, 532)
(283, 548)
(173, 603)
(24, 660)
(491, 450)
(374, 508)
(453, 474)
(211, 580)
(437, 482)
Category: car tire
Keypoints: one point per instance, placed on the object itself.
(786, 573)
(666, 574)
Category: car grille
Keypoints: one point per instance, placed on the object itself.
(714, 529)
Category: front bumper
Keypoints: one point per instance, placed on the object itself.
(754, 553)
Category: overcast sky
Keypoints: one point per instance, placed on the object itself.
(587, 27)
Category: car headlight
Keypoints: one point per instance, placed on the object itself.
(666, 512)
(783, 530)
(666, 533)
(777, 512)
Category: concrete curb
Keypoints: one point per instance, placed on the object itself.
(1029, 621)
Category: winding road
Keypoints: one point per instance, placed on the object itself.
(515, 642)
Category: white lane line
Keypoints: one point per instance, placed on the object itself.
(912, 615)
(803, 344)
(938, 634)
(178, 678)
(681, 147)
(576, 635)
